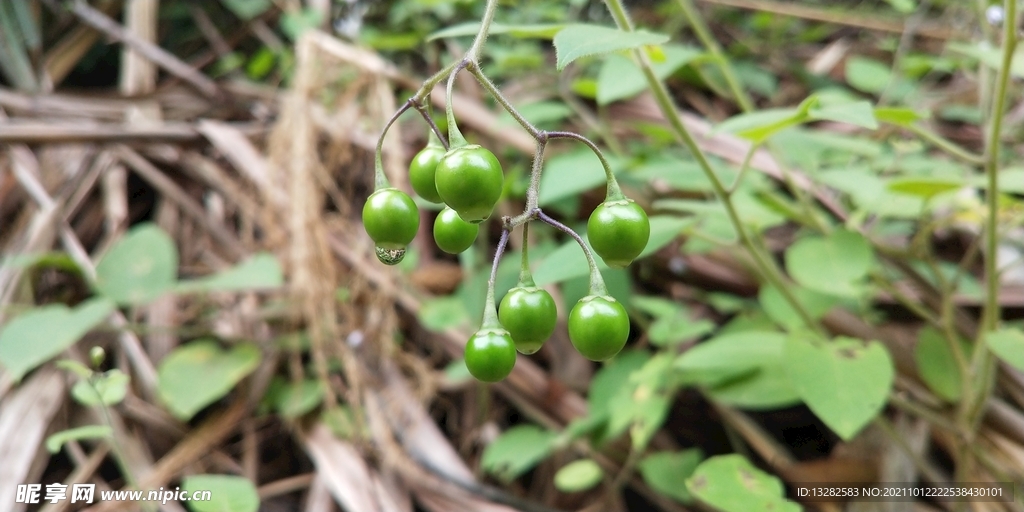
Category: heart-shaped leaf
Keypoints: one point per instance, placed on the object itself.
(32, 338)
(834, 264)
(845, 382)
(196, 375)
(138, 268)
(729, 483)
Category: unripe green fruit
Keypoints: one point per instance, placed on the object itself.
(469, 179)
(452, 234)
(618, 231)
(421, 172)
(530, 315)
(598, 327)
(390, 218)
(490, 354)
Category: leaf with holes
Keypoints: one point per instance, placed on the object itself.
(844, 382)
(36, 336)
(729, 483)
(140, 267)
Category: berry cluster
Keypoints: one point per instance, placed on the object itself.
(468, 180)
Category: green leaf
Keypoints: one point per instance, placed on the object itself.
(924, 187)
(55, 441)
(666, 472)
(108, 388)
(295, 399)
(729, 483)
(903, 6)
(760, 125)
(1008, 345)
(937, 365)
(140, 267)
(535, 31)
(247, 9)
(36, 336)
(294, 23)
(621, 78)
(612, 379)
(898, 116)
(442, 314)
(577, 41)
(578, 476)
(990, 55)
(570, 174)
(779, 310)
(516, 451)
(261, 271)
(845, 382)
(724, 358)
(227, 493)
(867, 75)
(858, 113)
(200, 373)
(834, 265)
(742, 368)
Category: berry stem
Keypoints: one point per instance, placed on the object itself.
(436, 137)
(597, 286)
(490, 319)
(380, 180)
(455, 138)
(525, 277)
(614, 191)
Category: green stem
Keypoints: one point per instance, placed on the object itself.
(455, 138)
(490, 320)
(743, 170)
(767, 268)
(488, 85)
(980, 383)
(703, 33)
(525, 276)
(614, 192)
(380, 180)
(473, 55)
(597, 286)
(945, 145)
